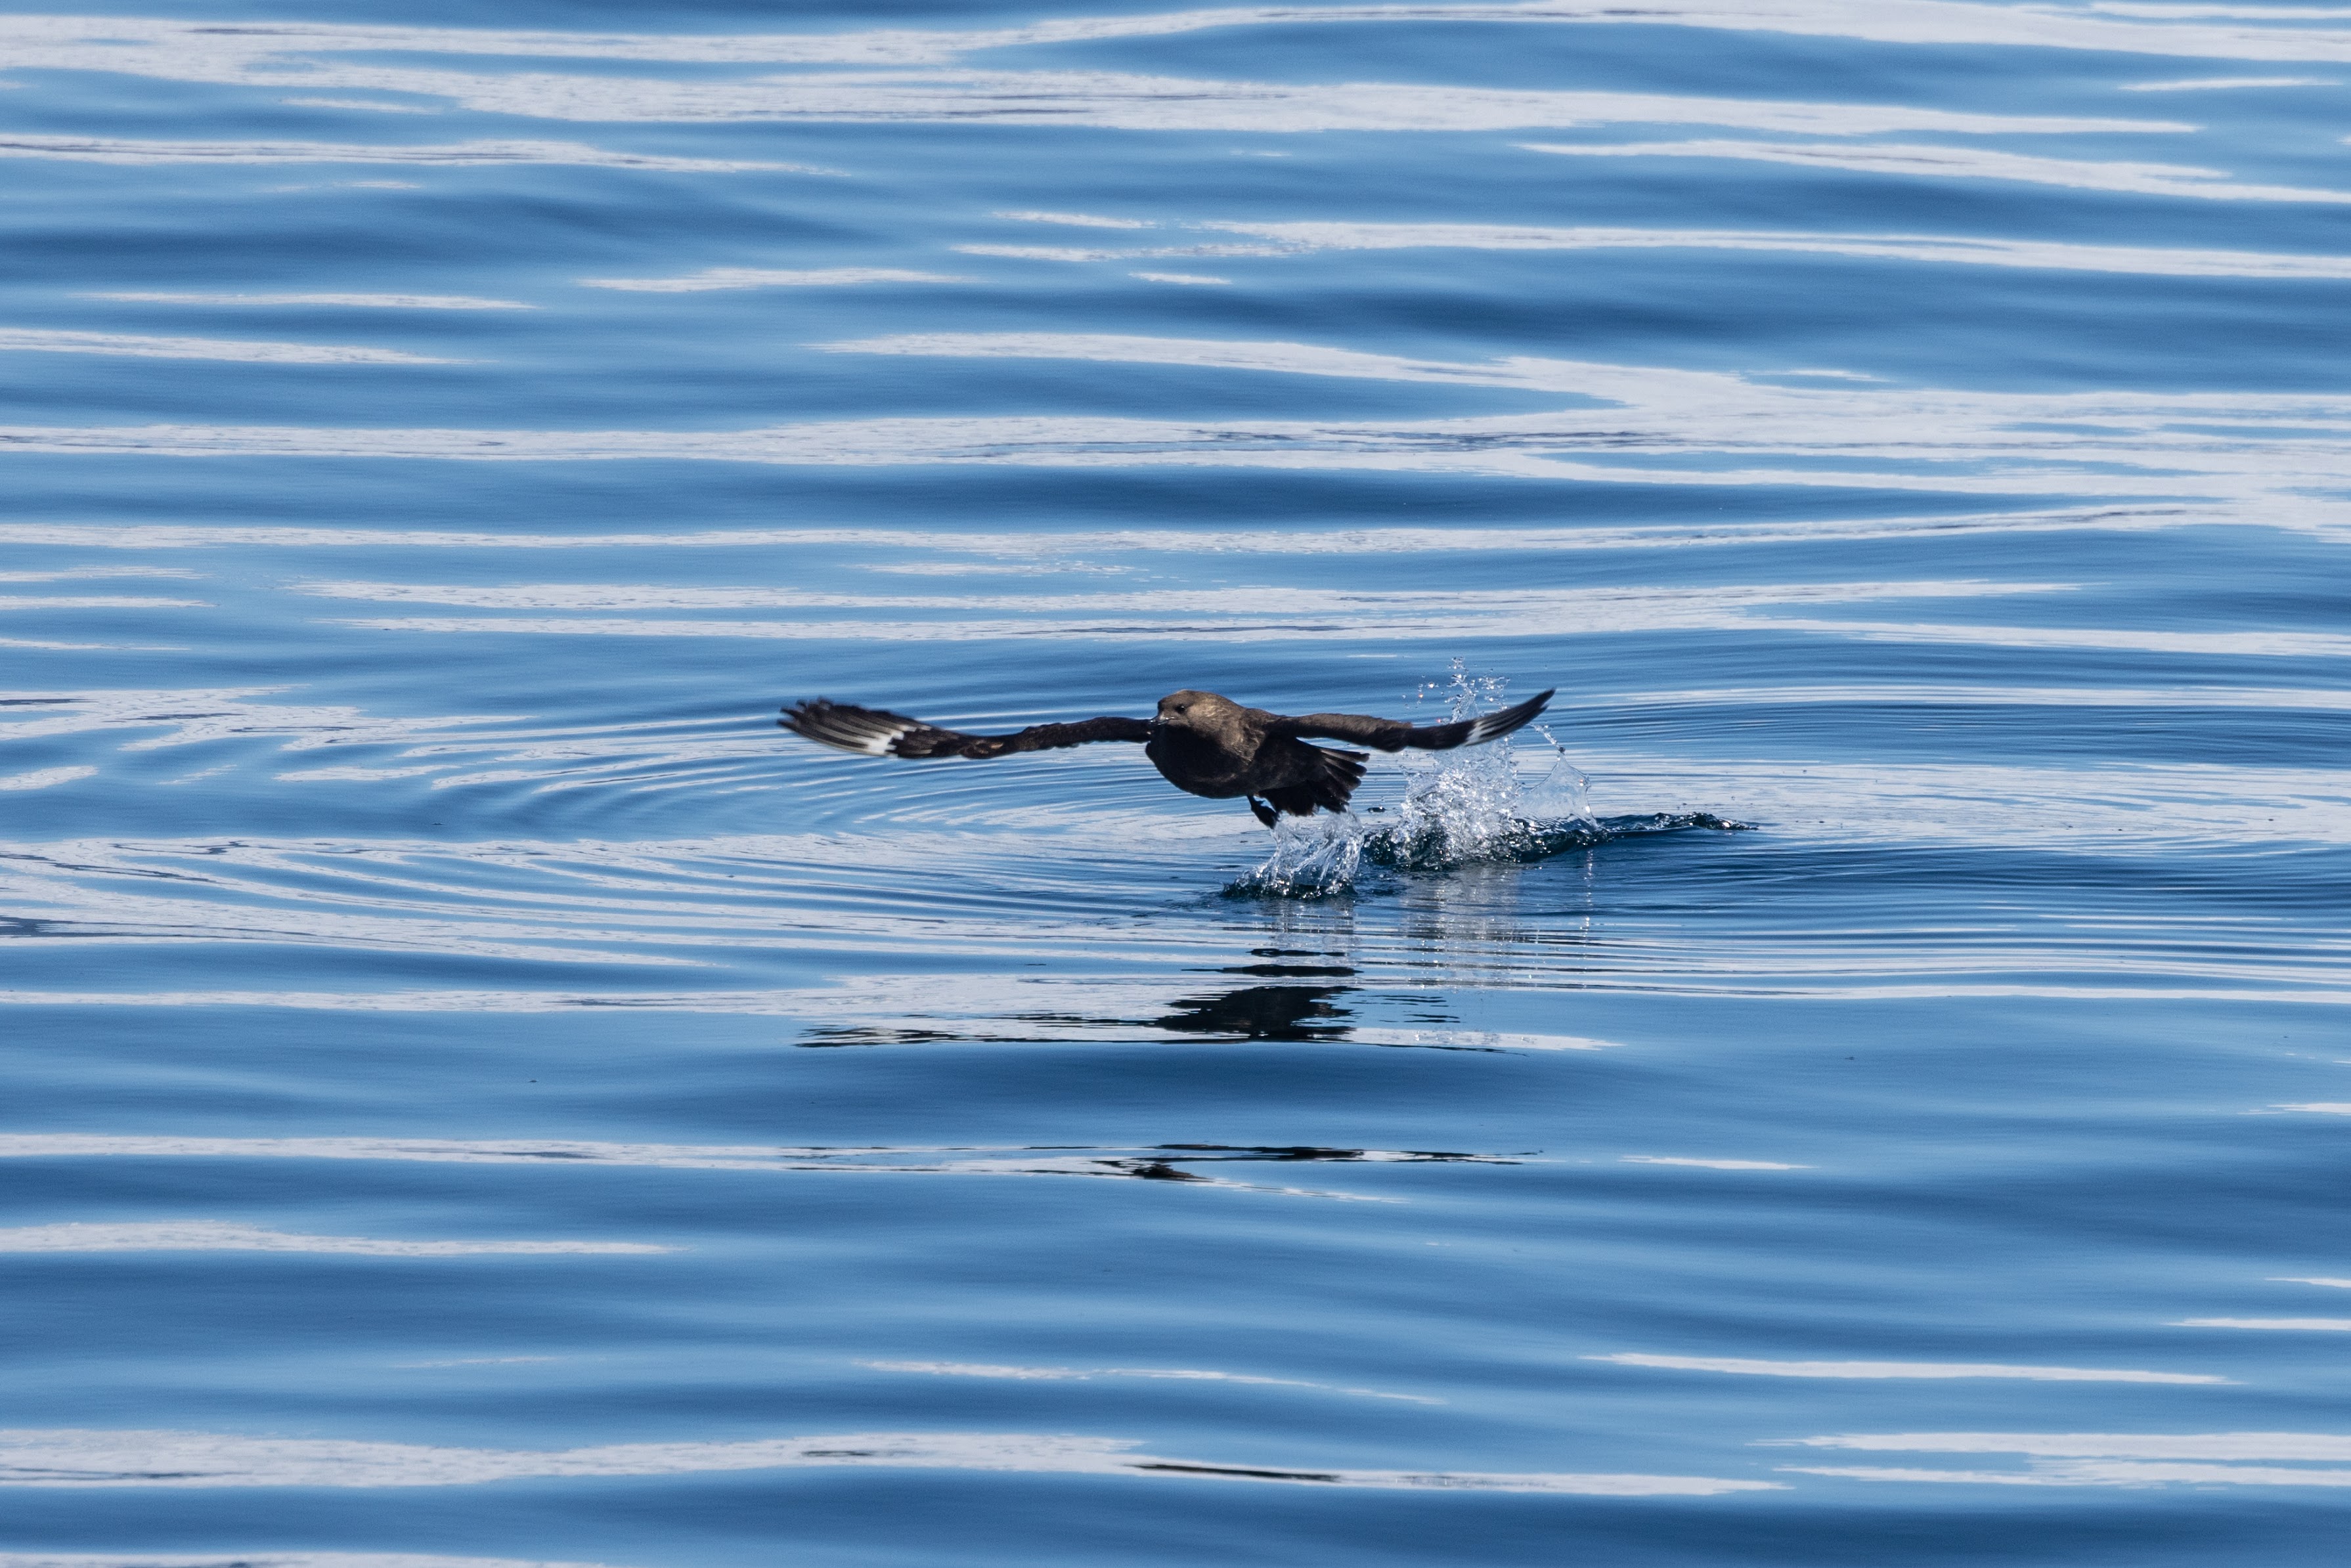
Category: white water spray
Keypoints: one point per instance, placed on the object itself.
(1460, 807)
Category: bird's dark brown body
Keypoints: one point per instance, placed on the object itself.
(1211, 746)
(1201, 743)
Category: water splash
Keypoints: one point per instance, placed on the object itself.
(1479, 805)
(1462, 808)
(1313, 857)
(1472, 804)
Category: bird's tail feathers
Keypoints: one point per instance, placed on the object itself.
(1334, 781)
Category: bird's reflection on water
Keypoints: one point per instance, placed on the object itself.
(1287, 971)
(1167, 1162)
(1405, 969)
(1252, 1013)
(1262, 1012)
(1476, 926)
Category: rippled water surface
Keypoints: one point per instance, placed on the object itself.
(1859, 1084)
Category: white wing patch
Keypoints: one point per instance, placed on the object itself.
(866, 736)
(1487, 727)
(861, 732)
(1510, 718)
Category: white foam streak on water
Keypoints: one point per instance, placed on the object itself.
(2244, 644)
(370, 106)
(1370, 610)
(1965, 163)
(29, 339)
(268, 1560)
(2172, 13)
(1078, 220)
(2096, 1459)
(1063, 99)
(2207, 84)
(94, 602)
(468, 155)
(192, 716)
(2155, 806)
(356, 301)
(45, 777)
(1661, 410)
(722, 277)
(1423, 628)
(1712, 1164)
(2100, 1445)
(95, 1459)
(1041, 552)
(80, 573)
(1931, 1370)
(1298, 237)
(181, 50)
(218, 1235)
(1894, 693)
(2091, 1473)
(1130, 101)
(2270, 449)
(1448, 629)
(1178, 1374)
(2291, 1325)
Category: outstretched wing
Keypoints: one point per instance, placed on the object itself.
(869, 732)
(1391, 735)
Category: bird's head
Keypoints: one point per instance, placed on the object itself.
(1199, 711)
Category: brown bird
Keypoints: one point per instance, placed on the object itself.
(1201, 743)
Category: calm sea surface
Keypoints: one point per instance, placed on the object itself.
(476, 1093)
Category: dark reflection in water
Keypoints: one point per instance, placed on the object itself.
(835, 1035)
(1279, 1014)
(1317, 1152)
(1278, 971)
(1152, 1170)
(1169, 1464)
(1167, 1162)
(1253, 1012)
(1262, 1012)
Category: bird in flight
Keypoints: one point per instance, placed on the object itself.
(1201, 743)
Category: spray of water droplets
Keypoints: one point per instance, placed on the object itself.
(1460, 808)
(1505, 801)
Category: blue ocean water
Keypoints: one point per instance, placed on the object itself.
(1856, 1086)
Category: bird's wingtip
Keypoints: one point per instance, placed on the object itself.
(844, 727)
(1494, 726)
